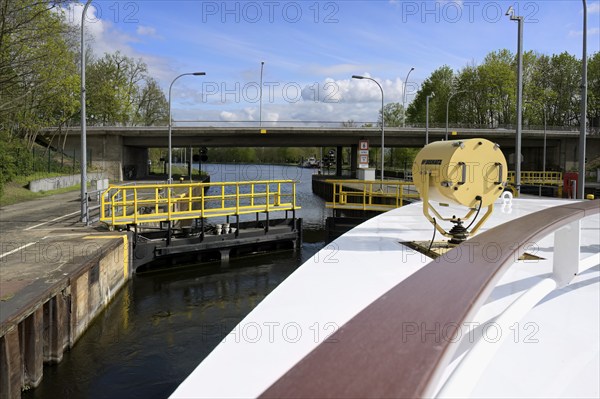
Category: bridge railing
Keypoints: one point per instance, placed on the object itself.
(152, 203)
(370, 195)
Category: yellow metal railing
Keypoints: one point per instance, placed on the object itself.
(370, 195)
(153, 203)
(538, 178)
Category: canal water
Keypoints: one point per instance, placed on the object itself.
(161, 325)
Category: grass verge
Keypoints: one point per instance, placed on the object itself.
(16, 191)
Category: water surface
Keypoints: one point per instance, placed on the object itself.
(162, 324)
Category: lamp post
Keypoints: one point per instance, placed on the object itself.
(382, 124)
(511, 13)
(404, 98)
(83, 216)
(262, 65)
(583, 117)
(544, 155)
(170, 178)
(427, 116)
(447, 109)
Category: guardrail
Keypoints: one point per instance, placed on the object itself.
(370, 195)
(152, 203)
(381, 362)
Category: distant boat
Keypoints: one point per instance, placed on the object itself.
(311, 162)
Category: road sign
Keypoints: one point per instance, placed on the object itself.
(363, 154)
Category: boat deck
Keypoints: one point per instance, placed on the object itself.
(553, 351)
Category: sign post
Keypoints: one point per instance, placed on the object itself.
(363, 154)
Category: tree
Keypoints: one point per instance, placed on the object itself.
(498, 84)
(152, 108)
(40, 83)
(120, 92)
(565, 80)
(38, 75)
(593, 112)
(113, 86)
(470, 105)
(439, 82)
(393, 114)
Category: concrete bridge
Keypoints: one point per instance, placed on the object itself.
(115, 148)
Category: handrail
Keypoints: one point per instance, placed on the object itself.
(360, 194)
(538, 178)
(186, 201)
(372, 357)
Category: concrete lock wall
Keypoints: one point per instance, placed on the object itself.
(54, 183)
(59, 317)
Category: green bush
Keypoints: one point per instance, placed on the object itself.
(15, 159)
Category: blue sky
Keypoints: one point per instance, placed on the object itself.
(312, 48)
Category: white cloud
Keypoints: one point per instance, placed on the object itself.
(593, 8)
(243, 115)
(229, 116)
(579, 33)
(327, 103)
(354, 91)
(146, 30)
(149, 31)
(250, 113)
(105, 37)
(272, 117)
(333, 70)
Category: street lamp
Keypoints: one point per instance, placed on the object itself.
(544, 157)
(170, 178)
(511, 13)
(447, 108)
(427, 116)
(382, 124)
(404, 98)
(262, 65)
(544, 149)
(83, 216)
(583, 117)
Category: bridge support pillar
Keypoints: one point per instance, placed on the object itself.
(339, 161)
(353, 160)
